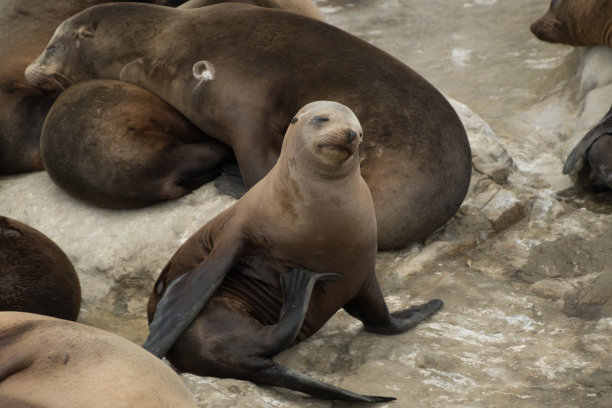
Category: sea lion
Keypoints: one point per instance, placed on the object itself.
(244, 71)
(36, 276)
(577, 23)
(116, 145)
(242, 288)
(303, 7)
(52, 363)
(26, 27)
(596, 148)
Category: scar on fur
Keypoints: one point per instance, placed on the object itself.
(127, 66)
(203, 71)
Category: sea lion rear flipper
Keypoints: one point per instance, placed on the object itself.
(186, 296)
(604, 127)
(297, 286)
(281, 376)
(369, 306)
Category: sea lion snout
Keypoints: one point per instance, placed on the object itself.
(351, 135)
(43, 77)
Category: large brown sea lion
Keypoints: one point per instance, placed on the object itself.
(244, 70)
(25, 29)
(117, 145)
(303, 7)
(52, 363)
(596, 148)
(35, 274)
(577, 23)
(248, 276)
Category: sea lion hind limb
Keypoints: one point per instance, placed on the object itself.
(297, 285)
(279, 375)
(369, 306)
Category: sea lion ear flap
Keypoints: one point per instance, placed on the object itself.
(86, 32)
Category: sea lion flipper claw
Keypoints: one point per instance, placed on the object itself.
(279, 375)
(297, 285)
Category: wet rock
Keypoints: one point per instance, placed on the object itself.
(569, 256)
(552, 289)
(593, 300)
(489, 157)
(501, 207)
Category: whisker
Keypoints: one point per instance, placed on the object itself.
(63, 77)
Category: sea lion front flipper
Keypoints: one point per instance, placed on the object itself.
(369, 306)
(604, 127)
(282, 376)
(186, 296)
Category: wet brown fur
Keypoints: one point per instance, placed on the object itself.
(127, 147)
(576, 23)
(25, 28)
(47, 362)
(416, 161)
(35, 274)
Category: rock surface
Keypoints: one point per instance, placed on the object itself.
(524, 268)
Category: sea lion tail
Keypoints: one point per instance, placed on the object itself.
(282, 376)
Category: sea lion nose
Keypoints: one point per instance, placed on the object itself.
(351, 135)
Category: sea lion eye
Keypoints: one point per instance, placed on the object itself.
(294, 120)
(321, 118)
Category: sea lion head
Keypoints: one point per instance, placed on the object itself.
(54, 69)
(324, 136)
(550, 27)
(95, 43)
(573, 22)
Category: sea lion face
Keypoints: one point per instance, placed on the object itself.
(327, 134)
(551, 27)
(51, 71)
(575, 22)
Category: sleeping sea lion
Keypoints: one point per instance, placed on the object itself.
(26, 27)
(116, 145)
(244, 70)
(596, 148)
(51, 363)
(577, 23)
(270, 270)
(36, 276)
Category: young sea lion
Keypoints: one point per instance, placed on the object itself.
(242, 288)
